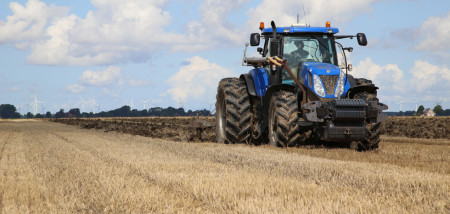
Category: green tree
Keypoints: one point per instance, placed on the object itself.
(60, 114)
(123, 111)
(446, 112)
(75, 112)
(438, 109)
(8, 111)
(48, 115)
(420, 110)
(29, 115)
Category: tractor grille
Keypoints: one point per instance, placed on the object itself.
(312, 97)
(330, 82)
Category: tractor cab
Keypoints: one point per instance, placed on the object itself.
(298, 49)
(311, 55)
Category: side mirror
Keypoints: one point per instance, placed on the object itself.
(349, 67)
(254, 39)
(362, 40)
(259, 50)
(349, 49)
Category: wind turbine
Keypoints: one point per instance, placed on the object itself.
(145, 103)
(94, 104)
(181, 104)
(83, 104)
(35, 105)
(417, 104)
(43, 110)
(68, 106)
(131, 104)
(20, 105)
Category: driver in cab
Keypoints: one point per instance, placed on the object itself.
(300, 55)
(297, 56)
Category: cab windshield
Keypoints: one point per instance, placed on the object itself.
(299, 49)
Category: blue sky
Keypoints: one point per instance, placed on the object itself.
(174, 52)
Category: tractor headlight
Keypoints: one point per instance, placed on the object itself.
(318, 86)
(340, 85)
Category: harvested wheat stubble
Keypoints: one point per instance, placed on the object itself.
(53, 168)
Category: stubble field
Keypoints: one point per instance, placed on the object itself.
(50, 167)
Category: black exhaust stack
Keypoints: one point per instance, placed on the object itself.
(274, 49)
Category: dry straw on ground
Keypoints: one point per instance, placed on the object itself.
(54, 168)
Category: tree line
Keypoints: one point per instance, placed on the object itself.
(9, 111)
(438, 110)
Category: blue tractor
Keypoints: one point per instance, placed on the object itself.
(299, 92)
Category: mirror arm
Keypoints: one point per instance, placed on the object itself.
(344, 36)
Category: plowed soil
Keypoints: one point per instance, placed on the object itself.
(417, 127)
(170, 128)
(186, 128)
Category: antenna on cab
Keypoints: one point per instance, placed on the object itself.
(304, 14)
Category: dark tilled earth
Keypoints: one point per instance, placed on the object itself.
(418, 127)
(187, 128)
(171, 128)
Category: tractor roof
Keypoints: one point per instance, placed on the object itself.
(302, 30)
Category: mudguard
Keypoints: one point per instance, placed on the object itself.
(260, 81)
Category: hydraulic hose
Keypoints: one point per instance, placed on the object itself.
(279, 62)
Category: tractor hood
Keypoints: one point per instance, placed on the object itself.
(323, 79)
(320, 68)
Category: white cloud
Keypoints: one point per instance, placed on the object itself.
(389, 78)
(101, 78)
(28, 22)
(75, 88)
(435, 31)
(214, 29)
(110, 79)
(116, 31)
(196, 81)
(120, 31)
(284, 12)
(423, 82)
(428, 78)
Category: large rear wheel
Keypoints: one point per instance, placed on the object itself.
(232, 111)
(373, 129)
(283, 119)
(245, 113)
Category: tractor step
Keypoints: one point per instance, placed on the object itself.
(305, 123)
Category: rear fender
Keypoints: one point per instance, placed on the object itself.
(260, 81)
(368, 88)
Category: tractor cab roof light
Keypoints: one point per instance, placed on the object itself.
(328, 24)
(261, 25)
